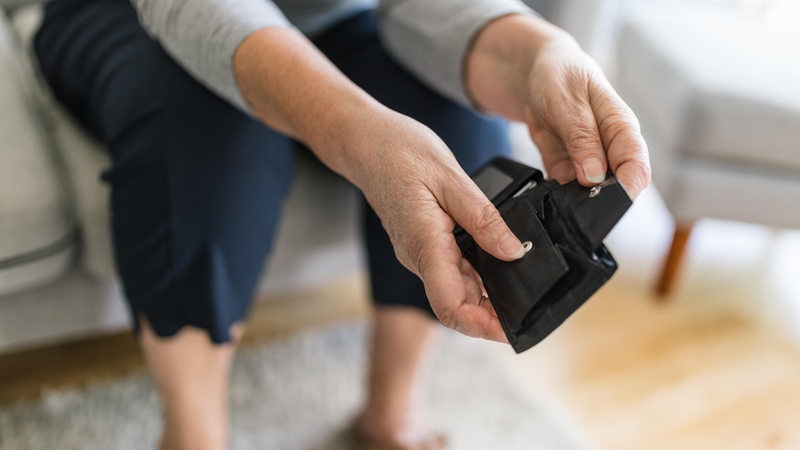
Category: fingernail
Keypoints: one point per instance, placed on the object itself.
(511, 246)
(593, 170)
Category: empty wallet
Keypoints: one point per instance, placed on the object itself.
(562, 228)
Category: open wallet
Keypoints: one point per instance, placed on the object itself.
(562, 228)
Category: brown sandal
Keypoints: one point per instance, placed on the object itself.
(436, 441)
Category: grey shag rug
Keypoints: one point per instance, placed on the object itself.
(300, 394)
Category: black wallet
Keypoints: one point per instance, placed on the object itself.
(562, 228)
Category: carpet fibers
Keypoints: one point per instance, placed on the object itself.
(299, 394)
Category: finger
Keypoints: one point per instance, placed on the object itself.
(486, 303)
(478, 292)
(627, 152)
(473, 289)
(569, 130)
(488, 324)
(470, 274)
(576, 125)
(448, 295)
(554, 155)
(470, 208)
(634, 177)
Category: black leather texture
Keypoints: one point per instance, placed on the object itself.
(567, 261)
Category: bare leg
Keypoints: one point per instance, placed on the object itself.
(191, 374)
(395, 408)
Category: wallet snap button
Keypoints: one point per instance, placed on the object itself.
(528, 246)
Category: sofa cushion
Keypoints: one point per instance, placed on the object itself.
(723, 83)
(82, 156)
(37, 232)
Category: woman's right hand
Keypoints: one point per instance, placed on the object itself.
(420, 192)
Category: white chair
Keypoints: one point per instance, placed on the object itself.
(716, 93)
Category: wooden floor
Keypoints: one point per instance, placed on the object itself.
(717, 367)
(641, 375)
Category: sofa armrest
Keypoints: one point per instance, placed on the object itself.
(37, 232)
(82, 157)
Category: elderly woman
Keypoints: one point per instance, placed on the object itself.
(203, 105)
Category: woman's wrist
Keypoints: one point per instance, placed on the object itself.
(498, 65)
(350, 139)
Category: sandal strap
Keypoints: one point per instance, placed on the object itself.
(435, 442)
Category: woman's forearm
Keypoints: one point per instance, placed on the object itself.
(290, 85)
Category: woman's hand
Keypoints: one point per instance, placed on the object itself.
(419, 191)
(527, 70)
(580, 124)
(406, 172)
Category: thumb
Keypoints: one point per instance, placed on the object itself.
(583, 143)
(576, 126)
(470, 208)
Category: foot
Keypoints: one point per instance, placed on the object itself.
(433, 441)
(369, 435)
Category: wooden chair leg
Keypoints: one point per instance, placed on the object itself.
(674, 259)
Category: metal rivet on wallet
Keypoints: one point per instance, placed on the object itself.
(528, 246)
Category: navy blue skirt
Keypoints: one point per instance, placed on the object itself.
(196, 185)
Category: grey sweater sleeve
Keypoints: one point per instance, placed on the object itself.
(202, 35)
(432, 37)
